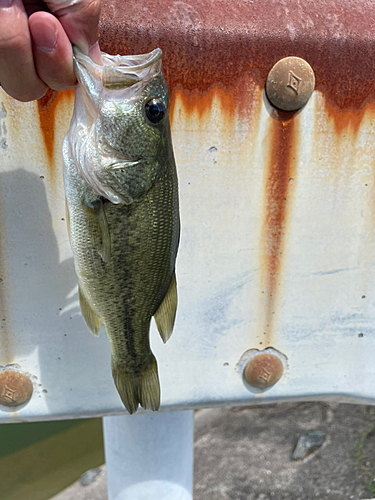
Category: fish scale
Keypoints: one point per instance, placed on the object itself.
(124, 243)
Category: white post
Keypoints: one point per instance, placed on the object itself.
(149, 456)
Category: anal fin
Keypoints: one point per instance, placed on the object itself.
(165, 315)
(91, 319)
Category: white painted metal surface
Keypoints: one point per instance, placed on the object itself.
(321, 314)
(149, 457)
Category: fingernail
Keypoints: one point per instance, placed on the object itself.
(94, 53)
(4, 4)
(44, 37)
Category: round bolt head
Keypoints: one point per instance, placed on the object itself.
(263, 371)
(290, 83)
(16, 388)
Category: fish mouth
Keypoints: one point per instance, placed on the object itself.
(119, 72)
(134, 63)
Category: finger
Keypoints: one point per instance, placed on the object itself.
(80, 19)
(52, 51)
(18, 76)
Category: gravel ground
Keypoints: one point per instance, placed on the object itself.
(246, 454)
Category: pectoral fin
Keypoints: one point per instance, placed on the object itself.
(91, 319)
(102, 245)
(165, 315)
(106, 237)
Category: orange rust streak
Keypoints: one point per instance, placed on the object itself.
(280, 177)
(47, 110)
(236, 101)
(347, 119)
(201, 103)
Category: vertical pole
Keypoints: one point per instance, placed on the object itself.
(149, 456)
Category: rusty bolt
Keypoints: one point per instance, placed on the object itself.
(16, 388)
(263, 370)
(290, 83)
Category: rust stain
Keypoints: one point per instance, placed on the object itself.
(213, 43)
(200, 103)
(47, 113)
(46, 109)
(280, 180)
(236, 101)
(347, 121)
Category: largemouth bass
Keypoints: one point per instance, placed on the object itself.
(122, 211)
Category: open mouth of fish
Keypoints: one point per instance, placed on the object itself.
(119, 72)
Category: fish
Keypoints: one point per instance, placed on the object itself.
(122, 212)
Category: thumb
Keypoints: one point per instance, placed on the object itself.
(80, 19)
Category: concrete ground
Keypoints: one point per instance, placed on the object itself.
(246, 454)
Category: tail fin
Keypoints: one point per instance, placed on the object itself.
(135, 389)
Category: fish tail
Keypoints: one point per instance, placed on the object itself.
(137, 388)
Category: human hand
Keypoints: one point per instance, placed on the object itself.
(36, 51)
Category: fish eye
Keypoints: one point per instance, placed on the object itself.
(155, 110)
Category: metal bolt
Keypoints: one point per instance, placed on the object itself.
(16, 388)
(290, 83)
(263, 370)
